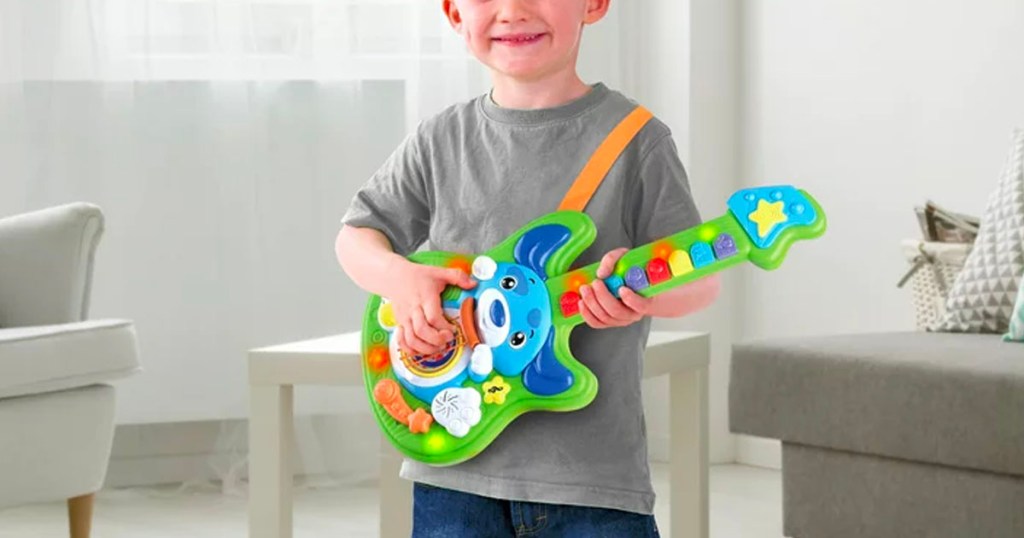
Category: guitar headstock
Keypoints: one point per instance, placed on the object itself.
(775, 217)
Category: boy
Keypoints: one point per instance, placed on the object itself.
(468, 178)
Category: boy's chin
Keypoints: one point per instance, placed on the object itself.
(521, 73)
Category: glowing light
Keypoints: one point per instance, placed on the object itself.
(378, 358)
(707, 233)
(462, 264)
(435, 442)
(663, 250)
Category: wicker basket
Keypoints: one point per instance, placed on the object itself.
(932, 269)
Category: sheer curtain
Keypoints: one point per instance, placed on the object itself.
(224, 139)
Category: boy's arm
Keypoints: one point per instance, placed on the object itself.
(601, 309)
(414, 289)
(389, 218)
(686, 299)
(367, 257)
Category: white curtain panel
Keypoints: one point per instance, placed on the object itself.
(224, 139)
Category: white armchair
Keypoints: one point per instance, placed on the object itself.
(56, 413)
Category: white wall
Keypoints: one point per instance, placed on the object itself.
(682, 63)
(714, 166)
(222, 202)
(223, 144)
(872, 106)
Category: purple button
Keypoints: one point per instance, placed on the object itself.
(725, 246)
(636, 278)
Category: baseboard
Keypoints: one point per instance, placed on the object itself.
(759, 452)
(217, 451)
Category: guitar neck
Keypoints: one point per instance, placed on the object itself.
(661, 265)
(761, 224)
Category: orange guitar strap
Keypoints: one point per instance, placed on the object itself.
(603, 158)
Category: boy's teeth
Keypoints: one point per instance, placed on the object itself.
(520, 38)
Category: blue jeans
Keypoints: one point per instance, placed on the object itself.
(444, 513)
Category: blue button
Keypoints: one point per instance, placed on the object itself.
(701, 255)
(614, 283)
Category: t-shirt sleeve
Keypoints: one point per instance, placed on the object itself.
(660, 203)
(396, 200)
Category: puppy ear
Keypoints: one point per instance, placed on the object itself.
(536, 246)
(545, 375)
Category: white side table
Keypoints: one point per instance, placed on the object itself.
(335, 360)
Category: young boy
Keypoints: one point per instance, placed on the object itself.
(468, 178)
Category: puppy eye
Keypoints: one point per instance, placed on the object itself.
(508, 283)
(517, 340)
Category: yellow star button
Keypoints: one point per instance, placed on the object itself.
(768, 214)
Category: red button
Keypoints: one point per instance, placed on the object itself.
(657, 271)
(570, 303)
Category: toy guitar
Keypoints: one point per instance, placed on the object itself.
(510, 353)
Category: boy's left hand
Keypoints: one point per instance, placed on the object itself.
(600, 309)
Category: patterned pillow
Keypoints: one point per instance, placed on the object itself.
(981, 299)
(1017, 322)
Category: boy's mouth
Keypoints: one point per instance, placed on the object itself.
(518, 39)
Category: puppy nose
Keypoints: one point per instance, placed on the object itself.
(498, 314)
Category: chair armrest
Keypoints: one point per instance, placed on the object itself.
(46, 260)
(48, 358)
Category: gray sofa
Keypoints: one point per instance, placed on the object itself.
(890, 435)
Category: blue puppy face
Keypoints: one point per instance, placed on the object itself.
(513, 316)
(512, 311)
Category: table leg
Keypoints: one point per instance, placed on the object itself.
(271, 431)
(688, 459)
(395, 494)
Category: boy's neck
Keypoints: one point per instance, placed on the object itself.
(547, 92)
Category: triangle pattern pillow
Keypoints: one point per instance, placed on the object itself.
(982, 297)
(1016, 332)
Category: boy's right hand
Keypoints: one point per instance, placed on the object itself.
(416, 302)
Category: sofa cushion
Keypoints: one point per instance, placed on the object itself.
(981, 299)
(48, 358)
(945, 398)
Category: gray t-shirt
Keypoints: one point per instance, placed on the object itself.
(474, 174)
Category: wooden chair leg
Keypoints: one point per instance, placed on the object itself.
(80, 515)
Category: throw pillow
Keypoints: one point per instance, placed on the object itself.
(982, 297)
(1016, 331)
